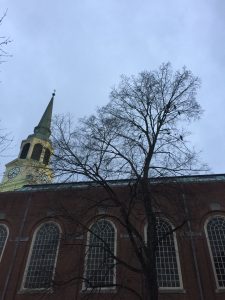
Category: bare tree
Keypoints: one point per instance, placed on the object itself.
(4, 140)
(4, 41)
(141, 134)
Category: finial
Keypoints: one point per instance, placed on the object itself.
(53, 94)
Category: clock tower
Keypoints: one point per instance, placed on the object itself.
(32, 164)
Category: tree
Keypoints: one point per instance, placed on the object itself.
(141, 134)
(4, 41)
(4, 140)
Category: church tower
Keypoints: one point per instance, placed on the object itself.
(32, 164)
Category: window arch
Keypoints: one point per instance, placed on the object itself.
(167, 257)
(42, 257)
(167, 261)
(3, 238)
(36, 154)
(215, 232)
(46, 156)
(25, 150)
(100, 264)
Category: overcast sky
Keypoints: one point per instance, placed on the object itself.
(80, 48)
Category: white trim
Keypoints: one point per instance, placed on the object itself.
(103, 289)
(219, 288)
(23, 289)
(7, 235)
(180, 287)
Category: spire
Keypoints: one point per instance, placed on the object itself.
(43, 129)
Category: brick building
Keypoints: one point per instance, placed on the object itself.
(52, 235)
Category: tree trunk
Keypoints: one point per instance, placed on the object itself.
(151, 287)
(150, 274)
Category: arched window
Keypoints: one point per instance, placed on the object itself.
(42, 257)
(167, 257)
(25, 150)
(167, 261)
(46, 156)
(36, 154)
(100, 264)
(3, 238)
(215, 231)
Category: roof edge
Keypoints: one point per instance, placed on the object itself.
(121, 182)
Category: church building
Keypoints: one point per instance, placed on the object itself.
(60, 241)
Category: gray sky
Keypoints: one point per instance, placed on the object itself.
(80, 48)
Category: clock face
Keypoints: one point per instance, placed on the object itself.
(13, 172)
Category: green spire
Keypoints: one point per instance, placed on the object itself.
(43, 129)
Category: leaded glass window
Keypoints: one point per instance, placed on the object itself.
(216, 238)
(3, 238)
(167, 256)
(43, 255)
(100, 265)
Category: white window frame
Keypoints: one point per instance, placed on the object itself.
(101, 289)
(36, 290)
(210, 250)
(7, 230)
(177, 288)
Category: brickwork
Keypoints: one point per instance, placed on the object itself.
(189, 203)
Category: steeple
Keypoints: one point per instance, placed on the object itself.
(43, 130)
(32, 164)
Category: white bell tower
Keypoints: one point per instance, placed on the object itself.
(32, 164)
